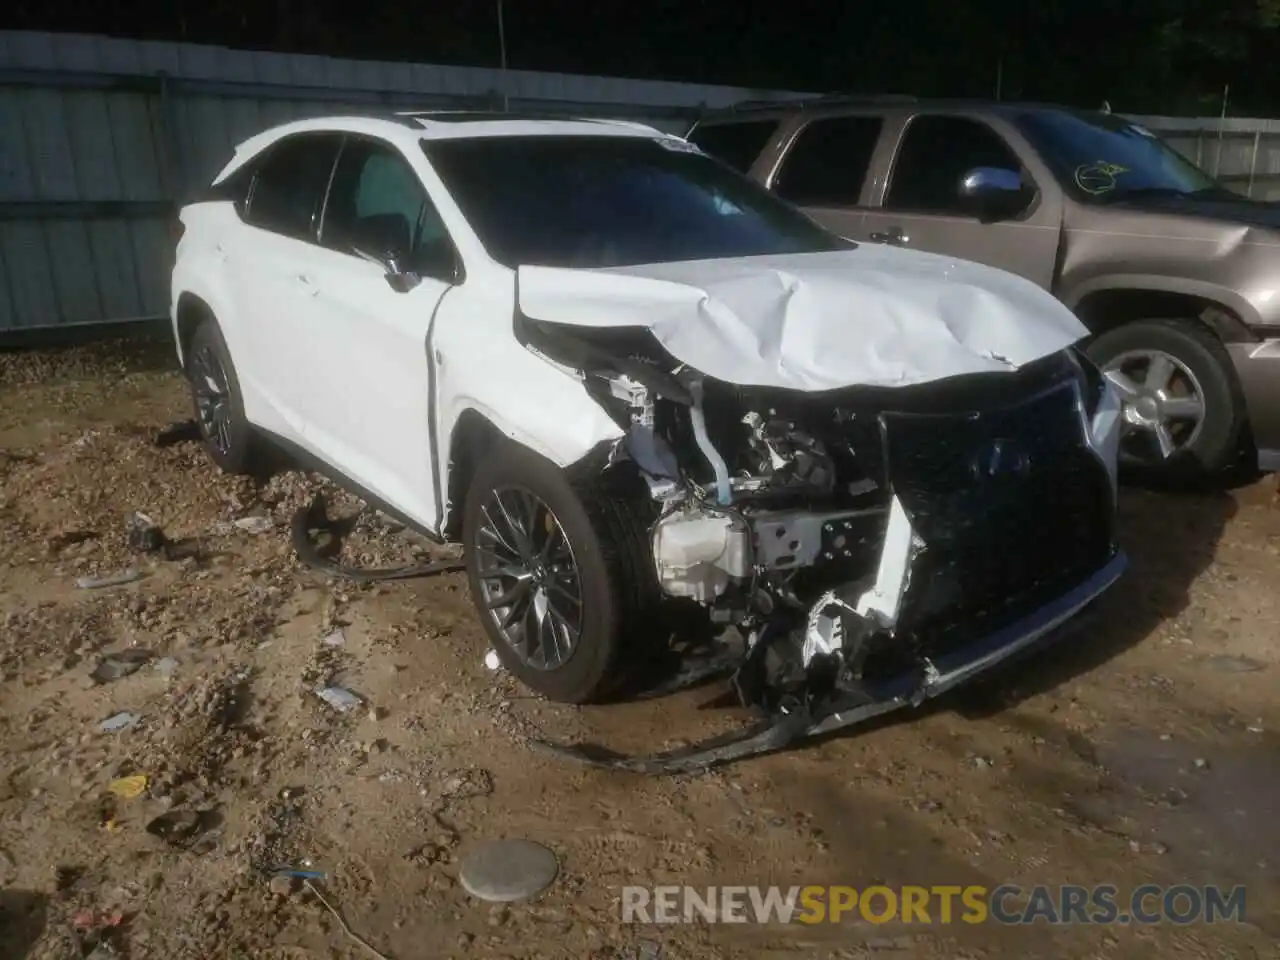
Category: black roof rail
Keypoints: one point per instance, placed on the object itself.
(867, 98)
(814, 101)
(467, 115)
(479, 116)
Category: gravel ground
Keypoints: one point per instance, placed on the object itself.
(1143, 751)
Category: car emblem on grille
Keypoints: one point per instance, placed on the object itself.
(999, 458)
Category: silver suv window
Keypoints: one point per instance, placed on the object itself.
(738, 143)
(935, 154)
(828, 162)
(1099, 158)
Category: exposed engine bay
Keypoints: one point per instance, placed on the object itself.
(857, 538)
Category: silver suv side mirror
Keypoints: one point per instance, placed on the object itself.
(988, 181)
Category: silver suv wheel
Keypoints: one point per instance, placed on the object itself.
(1163, 403)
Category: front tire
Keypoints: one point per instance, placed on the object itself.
(559, 570)
(219, 407)
(1184, 412)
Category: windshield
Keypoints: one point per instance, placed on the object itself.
(1102, 158)
(614, 201)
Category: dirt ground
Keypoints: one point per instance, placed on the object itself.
(1143, 751)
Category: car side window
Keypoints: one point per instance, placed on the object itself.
(828, 162)
(379, 208)
(290, 183)
(933, 158)
(738, 144)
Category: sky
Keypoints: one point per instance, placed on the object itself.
(797, 44)
(1121, 50)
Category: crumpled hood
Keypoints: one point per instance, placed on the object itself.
(874, 315)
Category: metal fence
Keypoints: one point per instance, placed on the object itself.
(100, 138)
(1243, 153)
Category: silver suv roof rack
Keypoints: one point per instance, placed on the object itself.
(820, 100)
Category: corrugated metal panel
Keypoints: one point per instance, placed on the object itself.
(115, 268)
(26, 262)
(89, 128)
(16, 181)
(71, 264)
(133, 143)
(102, 133)
(106, 133)
(8, 311)
(154, 252)
(49, 145)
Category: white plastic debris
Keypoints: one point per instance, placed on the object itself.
(335, 639)
(166, 667)
(121, 721)
(254, 524)
(340, 699)
(503, 871)
(110, 580)
(491, 660)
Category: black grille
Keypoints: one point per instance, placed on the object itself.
(1012, 505)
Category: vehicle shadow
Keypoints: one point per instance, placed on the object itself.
(1171, 538)
(23, 916)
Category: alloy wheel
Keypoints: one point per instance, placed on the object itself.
(210, 384)
(529, 576)
(1163, 404)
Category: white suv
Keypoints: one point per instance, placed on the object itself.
(631, 382)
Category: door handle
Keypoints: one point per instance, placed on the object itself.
(307, 284)
(893, 235)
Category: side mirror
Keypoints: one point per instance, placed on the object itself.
(398, 278)
(995, 191)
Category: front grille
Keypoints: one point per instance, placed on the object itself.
(1012, 505)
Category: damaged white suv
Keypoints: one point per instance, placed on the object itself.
(628, 380)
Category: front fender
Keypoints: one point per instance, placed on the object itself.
(1233, 300)
(563, 437)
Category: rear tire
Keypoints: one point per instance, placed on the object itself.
(584, 539)
(218, 404)
(1135, 356)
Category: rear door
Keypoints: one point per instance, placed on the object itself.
(825, 167)
(921, 205)
(272, 261)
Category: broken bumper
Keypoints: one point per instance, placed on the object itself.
(945, 672)
(911, 688)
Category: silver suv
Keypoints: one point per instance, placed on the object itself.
(1174, 275)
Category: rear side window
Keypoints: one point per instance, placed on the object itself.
(233, 189)
(737, 144)
(290, 185)
(828, 162)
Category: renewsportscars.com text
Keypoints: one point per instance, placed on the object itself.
(938, 904)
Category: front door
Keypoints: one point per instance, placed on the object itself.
(368, 362)
(922, 208)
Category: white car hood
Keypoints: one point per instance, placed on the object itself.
(874, 315)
